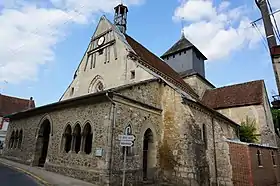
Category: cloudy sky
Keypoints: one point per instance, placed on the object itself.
(42, 41)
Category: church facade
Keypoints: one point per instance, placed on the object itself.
(120, 87)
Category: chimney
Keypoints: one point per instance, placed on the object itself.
(30, 102)
(120, 19)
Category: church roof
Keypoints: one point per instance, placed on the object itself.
(9, 105)
(244, 94)
(158, 65)
(181, 45)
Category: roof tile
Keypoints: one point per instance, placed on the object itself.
(9, 105)
(156, 63)
(249, 93)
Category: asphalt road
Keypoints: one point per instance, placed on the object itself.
(11, 177)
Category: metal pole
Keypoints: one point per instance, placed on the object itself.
(124, 166)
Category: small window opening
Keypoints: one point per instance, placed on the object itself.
(204, 135)
(132, 74)
(167, 58)
(185, 52)
(72, 91)
(259, 158)
(173, 56)
(100, 52)
(180, 53)
(273, 158)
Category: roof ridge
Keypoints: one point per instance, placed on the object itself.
(238, 84)
(13, 97)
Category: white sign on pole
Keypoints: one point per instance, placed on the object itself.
(126, 143)
(126, 137)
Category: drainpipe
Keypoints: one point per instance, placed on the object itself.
(113, 123)
(215, 154)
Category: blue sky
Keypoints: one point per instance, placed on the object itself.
(42, 44)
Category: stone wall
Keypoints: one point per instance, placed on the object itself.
(198, 84)
(180, 153)
(262, 117)
(140, 119)
(83, 166)
(194, 161)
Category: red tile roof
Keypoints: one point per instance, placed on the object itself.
(9, 105)
(159, 66)
(249, 93)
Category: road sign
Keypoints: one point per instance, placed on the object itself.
(126, 137)
(126, 143)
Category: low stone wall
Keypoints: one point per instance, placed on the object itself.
(98, 178)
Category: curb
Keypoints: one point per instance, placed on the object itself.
(40, 180)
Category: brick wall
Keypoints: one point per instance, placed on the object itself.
(265, 174)
(248, 170)
(241, 164)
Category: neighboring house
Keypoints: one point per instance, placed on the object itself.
(120, 87)
(245, 100)
(254, 164)
(10, 105)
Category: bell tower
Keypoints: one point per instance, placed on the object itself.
(120, 19)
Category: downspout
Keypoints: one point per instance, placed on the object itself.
(214, 146)
(113, 123)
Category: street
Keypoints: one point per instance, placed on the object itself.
(11, 177)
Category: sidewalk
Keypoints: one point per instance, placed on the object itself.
(45, 177)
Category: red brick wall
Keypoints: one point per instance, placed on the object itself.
(267, 174)
(241, 164)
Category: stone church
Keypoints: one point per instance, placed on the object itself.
(120, 87)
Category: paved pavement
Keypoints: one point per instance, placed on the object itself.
(12, 177)
(42, 176)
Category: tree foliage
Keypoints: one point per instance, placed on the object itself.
(248, 131)
(276, 118)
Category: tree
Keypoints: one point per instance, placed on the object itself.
(276, 118)
(247, 131)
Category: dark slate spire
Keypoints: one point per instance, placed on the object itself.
(182, 45)
(183, 57)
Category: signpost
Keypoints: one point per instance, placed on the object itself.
(126, 141)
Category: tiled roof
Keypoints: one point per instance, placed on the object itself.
(249, 93)
(182, 45)
(9, 105)
(159, 66)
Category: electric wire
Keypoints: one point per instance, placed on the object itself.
(261, 35)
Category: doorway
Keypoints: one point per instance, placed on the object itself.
(149, 155)
(42, 143)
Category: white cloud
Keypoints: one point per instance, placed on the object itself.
(217, 30)
(29, 32)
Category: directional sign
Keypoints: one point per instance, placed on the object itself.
(126, 143)
(126, 137)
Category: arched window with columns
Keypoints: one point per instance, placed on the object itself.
(12, 140)
(20, 138)
(77, 138)
(67, 138)
(16, 140)
(87, 139)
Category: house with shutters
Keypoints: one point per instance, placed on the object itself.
(122, 88)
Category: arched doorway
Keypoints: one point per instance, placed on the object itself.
(149, 155)
(42, 143)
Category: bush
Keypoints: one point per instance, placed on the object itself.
(248, 131)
